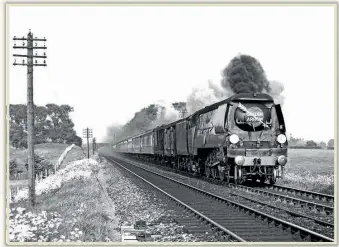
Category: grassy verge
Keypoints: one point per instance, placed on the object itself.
(73, 208)
(310, 170)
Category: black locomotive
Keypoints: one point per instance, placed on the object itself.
(242, 137)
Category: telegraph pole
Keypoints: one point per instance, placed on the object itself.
(30, 110)
(87, 133)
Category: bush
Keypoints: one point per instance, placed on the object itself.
(304, 147)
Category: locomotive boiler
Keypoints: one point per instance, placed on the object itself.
(239, 138)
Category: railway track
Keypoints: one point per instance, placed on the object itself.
(310, 195)
(312, 206)
(293, 213)
(233, 221)
(316, 202)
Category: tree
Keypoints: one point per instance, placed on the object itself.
(330, 143)
(311, 143)
(52, 123)
(296, 141)
(77, 140)
(322, 145)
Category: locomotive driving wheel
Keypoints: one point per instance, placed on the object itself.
(221, 174)
(207, 171)
(207, 168)
(214, 172)
(262, 180)
(227, 175)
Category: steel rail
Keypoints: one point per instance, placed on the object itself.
(304, 234)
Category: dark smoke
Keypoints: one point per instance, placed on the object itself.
(244, 74)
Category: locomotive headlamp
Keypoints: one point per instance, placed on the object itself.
(234, 139)
(282, 160)
(281, 138)
(239, 160)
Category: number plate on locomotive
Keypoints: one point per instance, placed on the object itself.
(257, 152)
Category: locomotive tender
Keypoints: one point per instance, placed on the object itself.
(242, 137)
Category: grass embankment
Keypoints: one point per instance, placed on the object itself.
(310, 170)
(71, 207)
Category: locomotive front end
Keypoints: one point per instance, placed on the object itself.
(256, 142)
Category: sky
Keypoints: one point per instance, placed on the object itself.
(108, 62)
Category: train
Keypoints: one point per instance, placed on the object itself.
(237, 139)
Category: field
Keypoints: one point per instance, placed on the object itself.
(310, 170)
(50, 151)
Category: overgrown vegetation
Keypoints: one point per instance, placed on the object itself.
(300, 143)
(71, 207)
(52, 124)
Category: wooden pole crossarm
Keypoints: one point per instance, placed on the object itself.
(35, 39)
(34, 56)
(23, 38)
(25, 47)
(25, 64)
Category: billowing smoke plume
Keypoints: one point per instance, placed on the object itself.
(147, 118)
(244, 74)
(165, 114)
(201, 97)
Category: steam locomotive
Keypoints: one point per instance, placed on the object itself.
(240, 138)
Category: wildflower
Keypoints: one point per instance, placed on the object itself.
(80, 232)
(20, 210)
(62, 237)
(72, 233)
(81, 169)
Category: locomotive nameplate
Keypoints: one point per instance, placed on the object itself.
(258, 152)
